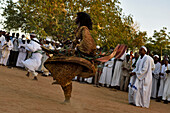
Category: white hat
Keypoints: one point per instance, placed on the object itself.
(53, 41)
(166, 59)
(144, 48)
(28, 38)
(32, 34)
(24, 39)
(57, 42)
(156, 56)
(98, 47)
(58, 48)
(48, 39)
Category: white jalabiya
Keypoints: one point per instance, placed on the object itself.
(155, 78)
(89, 80)
(107, 73)
(117, 71)
(162, 81)
(141, 83)
(44, 58)
(166, 93)
(22, 55)
(103, 75)
(2, 39)
(6, 52)
(34, 62)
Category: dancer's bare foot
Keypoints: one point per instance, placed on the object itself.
(66, 102)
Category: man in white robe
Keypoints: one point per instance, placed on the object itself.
(6, 47)
(117, 71)
(155, 76)
(45, 57)
(162, 82)
(103, 75)
(166, 93)
(22, 53)
(107, 73)
(34, 61)
(141, 81)
(134, 60)
(2, 40)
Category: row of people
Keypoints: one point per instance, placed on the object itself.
(14, 51)
(106, 75)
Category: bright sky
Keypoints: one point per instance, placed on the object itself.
(149, 14)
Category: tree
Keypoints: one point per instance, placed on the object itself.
(160, 41)
(56, 18)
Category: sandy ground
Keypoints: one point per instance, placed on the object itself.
(20, 94)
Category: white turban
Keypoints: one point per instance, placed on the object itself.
(32, 34)
(53, 41)
(166, 59)
(28, 38)
(144, 48)
(24, 39)
(156, 56)
(98, 47)
(48, 39)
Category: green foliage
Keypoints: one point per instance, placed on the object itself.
(159, 43)
(56, 18)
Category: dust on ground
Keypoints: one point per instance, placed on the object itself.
(20, 94)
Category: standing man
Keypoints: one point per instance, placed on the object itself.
(155, 76)
(2, 39)
(6, 47)
(22, 53)
(48, 45)
(15, 51)
(134, 60)
(141, 81)
(162, 80)
(125, 76)
(34, 61)
(120, 57)
(166, 93)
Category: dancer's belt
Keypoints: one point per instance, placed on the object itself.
(38, 51)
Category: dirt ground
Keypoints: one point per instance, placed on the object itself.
(20, 94)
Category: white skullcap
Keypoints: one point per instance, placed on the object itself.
(53, 41)
(48, 39)
(24, 39)
(156, 56)
(166, 59)
(32, 34)
(57, 42)
(28, 38)
(58, 48)
(144, 48)
(98, 47)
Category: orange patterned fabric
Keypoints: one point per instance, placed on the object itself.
(117, 53)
